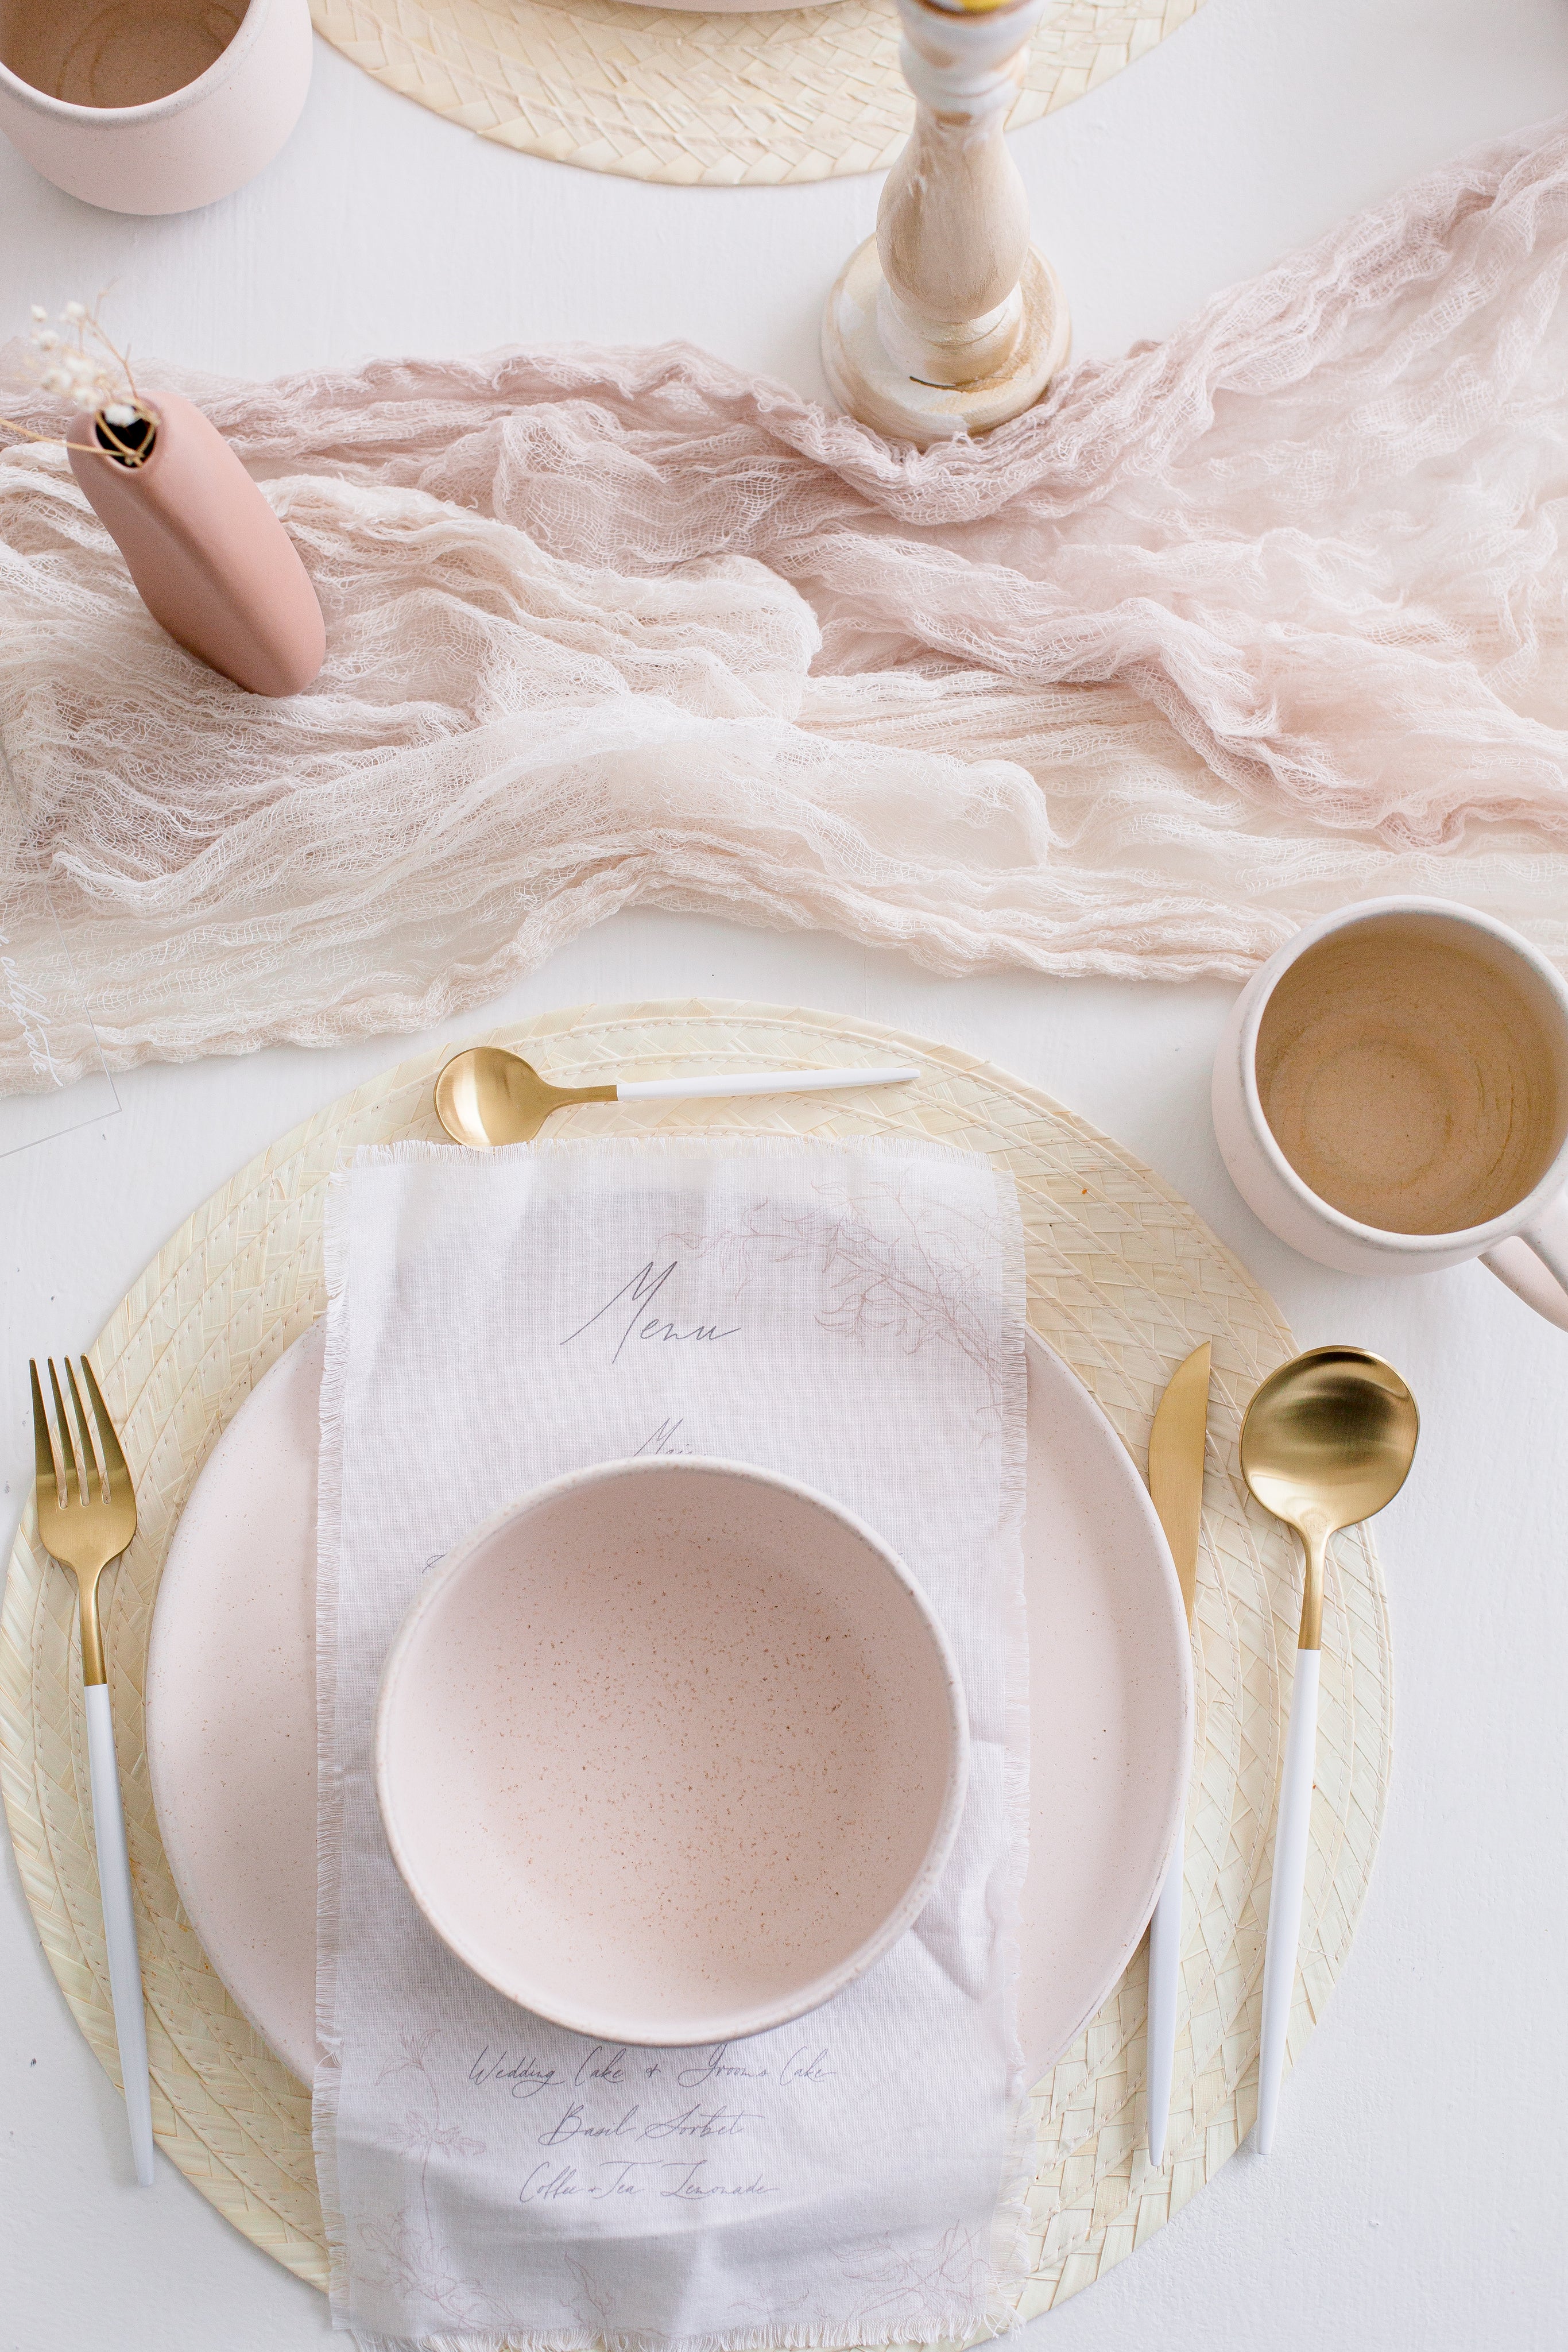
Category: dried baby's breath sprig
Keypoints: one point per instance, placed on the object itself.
(74, 360)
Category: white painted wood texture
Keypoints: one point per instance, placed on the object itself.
(1414, 2196)
(950, 321)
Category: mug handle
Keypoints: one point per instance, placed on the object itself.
(1534, 1263)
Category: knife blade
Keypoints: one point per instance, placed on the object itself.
(1176, 1483)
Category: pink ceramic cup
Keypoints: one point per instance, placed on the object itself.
(140, 106)
(1525, 1243)
(671, 1751)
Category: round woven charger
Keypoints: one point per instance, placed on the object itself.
(1124, 1280)
(703, 100)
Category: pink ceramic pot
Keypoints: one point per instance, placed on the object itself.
(1527, 1246)
(671, 1751)
(142, 106)
(211, 561)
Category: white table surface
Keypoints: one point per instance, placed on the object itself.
(1415, 2196)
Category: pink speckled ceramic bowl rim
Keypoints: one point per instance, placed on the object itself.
(532, 1992)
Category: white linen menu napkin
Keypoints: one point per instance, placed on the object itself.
(853, 1318)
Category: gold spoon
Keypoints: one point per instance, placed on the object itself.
(1328, 1440)
(487, 1096)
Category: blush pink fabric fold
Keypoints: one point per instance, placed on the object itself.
(1238, 627)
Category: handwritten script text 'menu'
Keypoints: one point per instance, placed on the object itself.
(633, 1299)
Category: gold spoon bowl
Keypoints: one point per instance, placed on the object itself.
(1328, 1440)
(487, 1096)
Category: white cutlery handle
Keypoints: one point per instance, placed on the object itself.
(1165, 1983)
(119, 1926)
(765, 1082)
(1290, 1837)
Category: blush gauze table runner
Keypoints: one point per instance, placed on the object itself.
(1232, 630)
(489, 2178)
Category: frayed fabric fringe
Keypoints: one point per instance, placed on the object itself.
(925, 2327)
(1227, 632)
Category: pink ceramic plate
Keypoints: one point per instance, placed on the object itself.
(230, 1709)
(747, 1698)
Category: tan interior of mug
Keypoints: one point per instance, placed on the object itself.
(1414, 1071)
(115, 52)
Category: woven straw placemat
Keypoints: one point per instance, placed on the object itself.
(703, 100)
(1124, 1280)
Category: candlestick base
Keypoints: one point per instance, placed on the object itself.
(873, 384)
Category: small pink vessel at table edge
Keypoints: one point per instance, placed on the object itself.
(189, 148)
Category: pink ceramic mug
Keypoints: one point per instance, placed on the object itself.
(1391, 1097)
(152, 106)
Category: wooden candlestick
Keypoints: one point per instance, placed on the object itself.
(948, 320)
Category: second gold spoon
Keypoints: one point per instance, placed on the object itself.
(1328, 1440)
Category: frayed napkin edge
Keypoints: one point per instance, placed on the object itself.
(1010, 2229)
(920, 2328)
(327, 2076)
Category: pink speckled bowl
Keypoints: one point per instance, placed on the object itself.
(671, 1751)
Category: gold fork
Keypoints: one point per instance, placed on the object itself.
(87, 1516)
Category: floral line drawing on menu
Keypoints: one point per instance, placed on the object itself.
(599, 2312)
(799, 2320)
(407, 2240)
(915, 1274)
(946, 2283)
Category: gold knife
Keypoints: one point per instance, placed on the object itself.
(1176, 1482)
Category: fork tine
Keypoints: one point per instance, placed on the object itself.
(92, 1469)
(43, 1448)
(114, 1461)
(67, 1450)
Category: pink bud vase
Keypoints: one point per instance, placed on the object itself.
(210, 560)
